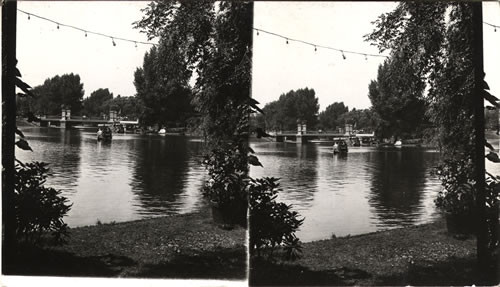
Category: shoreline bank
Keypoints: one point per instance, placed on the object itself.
(416, 255)
(187, 246)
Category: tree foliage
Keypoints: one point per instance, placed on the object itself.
(162, 86)
(127, 107)
(365, 120)
(96, 104)
(214, 41)
(492, 119)
(272, 223)
(442, 54)
(295, 106)
(56, 92)
(330, 118)
(397, 98)
(38, 209)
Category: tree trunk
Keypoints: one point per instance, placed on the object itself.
(483, 256)
(9, 14)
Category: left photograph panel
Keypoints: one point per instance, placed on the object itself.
(124, 146)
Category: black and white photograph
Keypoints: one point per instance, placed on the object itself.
(370, 108)
(250, 143)
(124, 115)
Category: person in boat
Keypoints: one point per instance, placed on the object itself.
(340, 146)
(99, 134)
(107, 132)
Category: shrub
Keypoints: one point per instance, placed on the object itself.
(272, 223)
(457, 196)
(38, 209)
(227, 170)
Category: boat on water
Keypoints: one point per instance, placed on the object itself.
(340, 146)
(104, 134)
(354, 141)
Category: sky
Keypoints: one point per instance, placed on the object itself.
(44, 51)
(279, 67)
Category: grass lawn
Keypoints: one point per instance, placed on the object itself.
(181, 246)
(419, 255)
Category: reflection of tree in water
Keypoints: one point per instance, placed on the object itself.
(298, 172)
(397, 185)
(160, 172)
(61, 149)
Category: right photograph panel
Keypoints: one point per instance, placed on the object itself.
(365, 167)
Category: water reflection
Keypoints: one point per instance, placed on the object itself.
(285, 160)
(159, 176)
(129, 178)
(398, 185)
(64, 148)
(366, 190)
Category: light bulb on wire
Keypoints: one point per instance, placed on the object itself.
(57, 25)
(113, 40)
(29, 16)
(257, 32)
(343, 56)
(315, 49)
(287, 40)
(85, 33)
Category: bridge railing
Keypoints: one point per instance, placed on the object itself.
(58, 117)
(51, 117)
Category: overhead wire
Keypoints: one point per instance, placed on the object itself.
(85, 31)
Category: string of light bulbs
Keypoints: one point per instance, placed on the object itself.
(59, 24)
(492, 25)
(258, 30)
(342, 51)
(317, 46)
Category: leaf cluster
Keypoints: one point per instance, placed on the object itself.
(456, 175)
(292, 107)
(56, 92)
(272, 223)
(437, 41)
(38, 209)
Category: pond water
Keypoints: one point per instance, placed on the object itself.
(366, 190)
(139, 176)
(129, 178)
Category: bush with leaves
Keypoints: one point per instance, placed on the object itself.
(272, 223)
(226, 165)
(456, 175)
(38, 209)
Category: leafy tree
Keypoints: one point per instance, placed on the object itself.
(329, 118)
(95, 105)
(162, 86)
(443, 53)
(365, 120)
(300, 105)
(65, 90)
(397, 98)
(492, 119)
(215, 40)
(127, 107)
